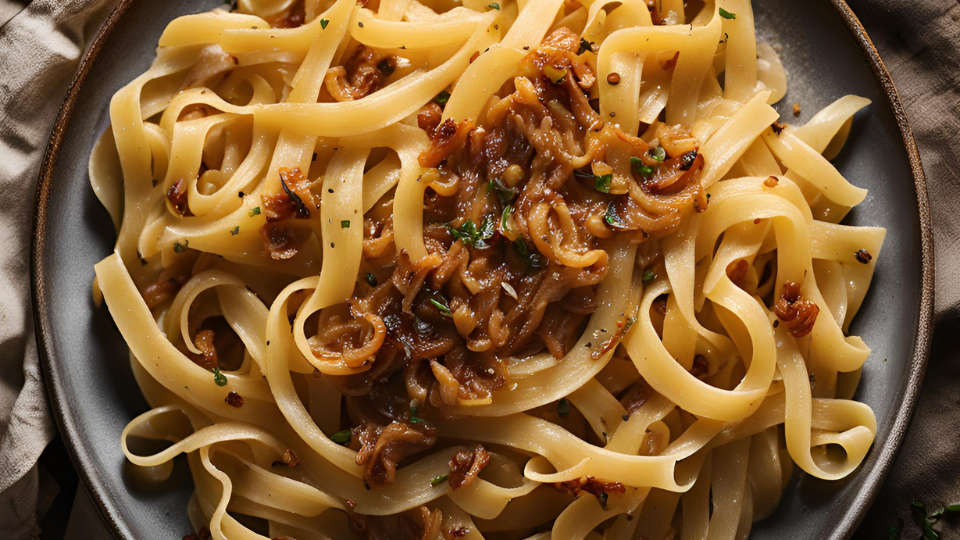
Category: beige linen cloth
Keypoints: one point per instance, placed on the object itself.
(41, 42)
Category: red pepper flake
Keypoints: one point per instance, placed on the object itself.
(756, 221)
(771, 182)
(671, 62)
(622, 328)
(234, 399)
(777, 127)
(475, 56)
(863, 256)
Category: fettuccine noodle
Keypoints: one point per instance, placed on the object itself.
(530, 269)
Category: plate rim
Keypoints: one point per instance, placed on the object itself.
(96, 488)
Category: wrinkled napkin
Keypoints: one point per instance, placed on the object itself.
(41, 42)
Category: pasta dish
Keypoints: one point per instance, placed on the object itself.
(443, 269)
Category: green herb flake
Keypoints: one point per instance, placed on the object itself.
(372, 279)
(919, 513)
(563, 407)
(648, 276)
(727, 15)
(235, 231)
(180, 248)
(442, 306)
(494, 6)
(612, 218)
(341, 437)
(471, 235)
(504, 217)
(658, 154)
(437, 480)
(219, 378)
(254, 212)
(324, 23)
(602, 183)
(414, 418)
(533, 259)
(641, 168)
(504, 193)
(487, 228)
(442, 98)
(345, 224)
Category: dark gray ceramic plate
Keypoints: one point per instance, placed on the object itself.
(827, 55)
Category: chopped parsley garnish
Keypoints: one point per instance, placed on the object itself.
(219, 378)
(437, 480)
(341, 437)
(925, 521)
(658, 154)
(324, 23)
(442, 98)
(504, 217)
(563, 407)
(648, 275)
(494, 5)
(727, 15)
(345, 224)
(504, 193)
(442, 306)
(372, 279)
(535, 260)
(612, 218)
(919, 513)
(254, 212)
(180, 248)
(471, 235)
(602, 183)
(235, 231)
(585, 46)
(641, 169)
(414, 418)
